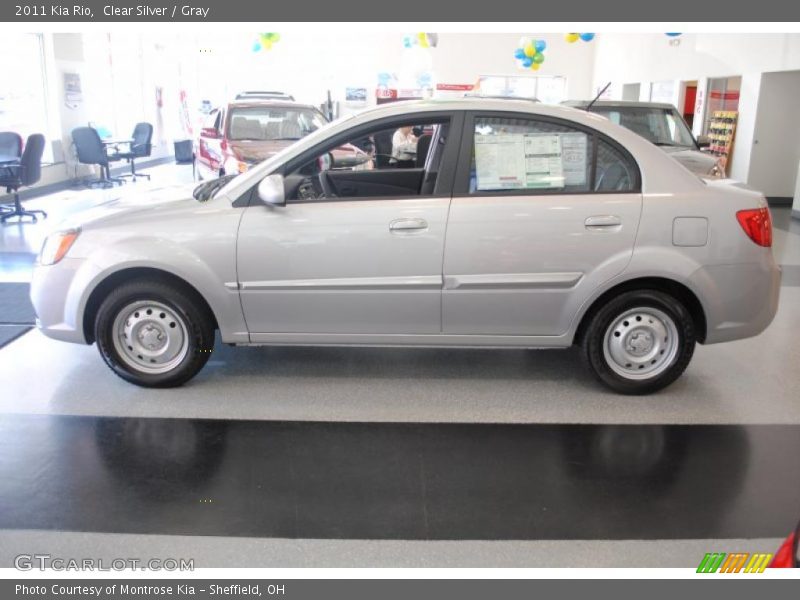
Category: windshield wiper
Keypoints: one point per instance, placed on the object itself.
(207, 190)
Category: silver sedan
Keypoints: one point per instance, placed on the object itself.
(507, 224)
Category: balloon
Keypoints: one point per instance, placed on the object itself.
(572, 37)
(527, 62)
(256, 47)
(519, 53)
(587, 37)
(423, 40)
(538, 58)
(529, 50)
(536, 66)
(540, 45)
(672, 34)
(407, 43)
(266, 45)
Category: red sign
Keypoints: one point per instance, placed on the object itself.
(724, 95)
(455, 87)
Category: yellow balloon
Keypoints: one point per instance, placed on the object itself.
(572, 37)
(536, 66)
(529, 50)
(423, 39)
(266, 44)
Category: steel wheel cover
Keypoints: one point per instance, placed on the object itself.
(641, 343)
(150, 337)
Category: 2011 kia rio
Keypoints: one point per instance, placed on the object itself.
(500, 224)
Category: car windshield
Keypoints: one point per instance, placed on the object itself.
(662, 126)
(265, 123)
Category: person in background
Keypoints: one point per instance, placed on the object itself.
(404, 145)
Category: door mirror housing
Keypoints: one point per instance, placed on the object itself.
(271, 190)
(703, 141)
(209, 132)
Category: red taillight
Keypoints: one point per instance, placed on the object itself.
(757, 224)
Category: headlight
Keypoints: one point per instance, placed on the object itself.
(57, 245)
(717, 172)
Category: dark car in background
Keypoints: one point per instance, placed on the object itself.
(662, 125)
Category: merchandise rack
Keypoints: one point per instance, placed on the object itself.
(721, 131)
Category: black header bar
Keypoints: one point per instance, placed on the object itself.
(516, 11)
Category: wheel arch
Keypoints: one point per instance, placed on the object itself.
(662, 284)
(102, 289)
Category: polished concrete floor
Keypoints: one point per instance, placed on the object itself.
(492, 428)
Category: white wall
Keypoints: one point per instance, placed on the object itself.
(307, 65)
(629, 58)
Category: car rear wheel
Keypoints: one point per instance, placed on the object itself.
(153, 334)
(640, 341)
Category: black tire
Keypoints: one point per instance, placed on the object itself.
(190, 314)
(594, 340)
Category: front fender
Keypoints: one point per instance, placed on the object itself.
(207, 272)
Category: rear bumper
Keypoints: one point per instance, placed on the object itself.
(740, 300)
(57, 297)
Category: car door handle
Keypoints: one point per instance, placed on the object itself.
(601, 222)
(401, 225)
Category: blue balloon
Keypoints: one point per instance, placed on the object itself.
(673, 34)
(256, 47)
(540, 45)
(519, 53)
(527, 62)
(587, 37)
(407, 41)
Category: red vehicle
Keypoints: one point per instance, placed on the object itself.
(247, 131)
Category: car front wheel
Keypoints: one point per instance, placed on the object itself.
(640, 341)
(153, 334)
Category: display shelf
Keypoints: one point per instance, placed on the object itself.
(721, 132)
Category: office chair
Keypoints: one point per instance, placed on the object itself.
(91, 151)
(140, 147)
(25, 173)
(10, 144)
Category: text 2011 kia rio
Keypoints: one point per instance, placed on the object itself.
(475, 223)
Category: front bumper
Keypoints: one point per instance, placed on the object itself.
(58, 297)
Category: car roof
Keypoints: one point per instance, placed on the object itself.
(272, 102)
(617, 104)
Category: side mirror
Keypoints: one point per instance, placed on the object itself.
(703, 141)
(209, 132)
(271, 190)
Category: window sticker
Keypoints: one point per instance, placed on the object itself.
(574, 152)
(500, 161)
(530, 160)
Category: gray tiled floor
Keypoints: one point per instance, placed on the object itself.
(749, 381)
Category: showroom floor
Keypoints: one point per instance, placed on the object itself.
(380, 457)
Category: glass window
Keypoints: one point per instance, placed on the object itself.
(549, 90)
(265, 123)
(23, 103)
(615, 172)
(524, 154)
(398, 161)
(661, 126)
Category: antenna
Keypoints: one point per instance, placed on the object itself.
(600, 93)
